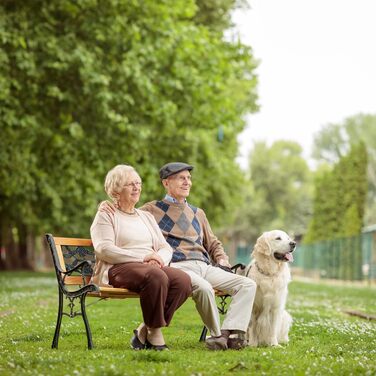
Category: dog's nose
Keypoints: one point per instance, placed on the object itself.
(292, 245)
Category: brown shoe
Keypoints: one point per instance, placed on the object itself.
(216, 343)
(236, 343)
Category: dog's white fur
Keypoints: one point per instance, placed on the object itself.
(270, 322)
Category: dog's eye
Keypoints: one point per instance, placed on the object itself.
(278, 238)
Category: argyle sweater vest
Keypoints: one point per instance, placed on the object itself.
(182, 226)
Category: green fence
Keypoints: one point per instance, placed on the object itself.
(243, 254)
(351, 259)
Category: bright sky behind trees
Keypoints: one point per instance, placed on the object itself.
(317, 66)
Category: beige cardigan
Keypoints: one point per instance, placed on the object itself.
(105, 232)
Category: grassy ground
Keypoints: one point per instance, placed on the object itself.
(323, 340)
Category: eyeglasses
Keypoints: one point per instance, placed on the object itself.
(136, 184)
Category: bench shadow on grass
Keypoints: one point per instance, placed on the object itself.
(152, 356)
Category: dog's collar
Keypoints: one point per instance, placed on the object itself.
(249, 269)
(264, 272)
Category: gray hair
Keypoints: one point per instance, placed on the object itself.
(116, 178)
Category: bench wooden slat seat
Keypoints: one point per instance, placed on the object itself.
(108, 292)
(118, 293)
(73, 260)
(76, 280)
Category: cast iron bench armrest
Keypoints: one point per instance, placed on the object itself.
(86, 287)
(237, 266)
(78, 266)
(81, 291)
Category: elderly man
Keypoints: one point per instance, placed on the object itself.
(196, 250)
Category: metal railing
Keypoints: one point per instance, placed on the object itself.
(352, 259)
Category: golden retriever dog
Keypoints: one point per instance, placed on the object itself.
(270, 322)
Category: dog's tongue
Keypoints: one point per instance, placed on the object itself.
(289, 257)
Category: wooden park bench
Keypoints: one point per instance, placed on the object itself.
(73, 260)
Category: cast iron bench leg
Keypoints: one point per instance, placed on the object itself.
(55, 341)
(86, 321)
(203, 334)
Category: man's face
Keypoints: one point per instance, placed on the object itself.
(178, 185)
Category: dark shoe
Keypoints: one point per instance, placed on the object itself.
(136, 344)
(236, 343)
(216, 343)
(149, 346)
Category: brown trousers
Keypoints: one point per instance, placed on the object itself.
(162, 290)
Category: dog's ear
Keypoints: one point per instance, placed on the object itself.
(262, 245)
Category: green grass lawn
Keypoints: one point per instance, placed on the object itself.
(323, 339)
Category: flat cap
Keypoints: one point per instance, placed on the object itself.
(173, 168)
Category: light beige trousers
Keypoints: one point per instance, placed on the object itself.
(205, 278)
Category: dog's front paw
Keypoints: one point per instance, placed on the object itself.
(252, 343)
(273, 342)
(276, 345)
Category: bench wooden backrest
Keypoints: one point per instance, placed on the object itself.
(67, 252)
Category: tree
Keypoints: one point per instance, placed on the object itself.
(340, 197)
(335, 141)
(216, 14)
(88, 85)
(278, 193)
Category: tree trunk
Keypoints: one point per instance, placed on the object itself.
(45, 254)
(2, 246)
(24, 252)
(31, 249)
(12, 260)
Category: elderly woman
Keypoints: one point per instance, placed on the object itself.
(132, 253)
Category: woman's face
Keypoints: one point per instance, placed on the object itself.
(131, 192)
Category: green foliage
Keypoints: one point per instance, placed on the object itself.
(335, 140)
(216, 14)
(277, 195)
(352, 222)
(87, 85)
(319, 338)
(340, 198)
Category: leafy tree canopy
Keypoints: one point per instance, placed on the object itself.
(86, 85)
(334, 141)
(278, 193)
(340, 195)
(216, 14)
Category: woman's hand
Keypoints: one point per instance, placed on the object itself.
(107, 207)
(154, 259)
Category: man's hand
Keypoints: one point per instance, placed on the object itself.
(224, 262)
(107, 207)
(154, 259)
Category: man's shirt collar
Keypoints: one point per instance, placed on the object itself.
(174, 200)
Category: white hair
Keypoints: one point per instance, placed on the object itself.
(116, 178)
